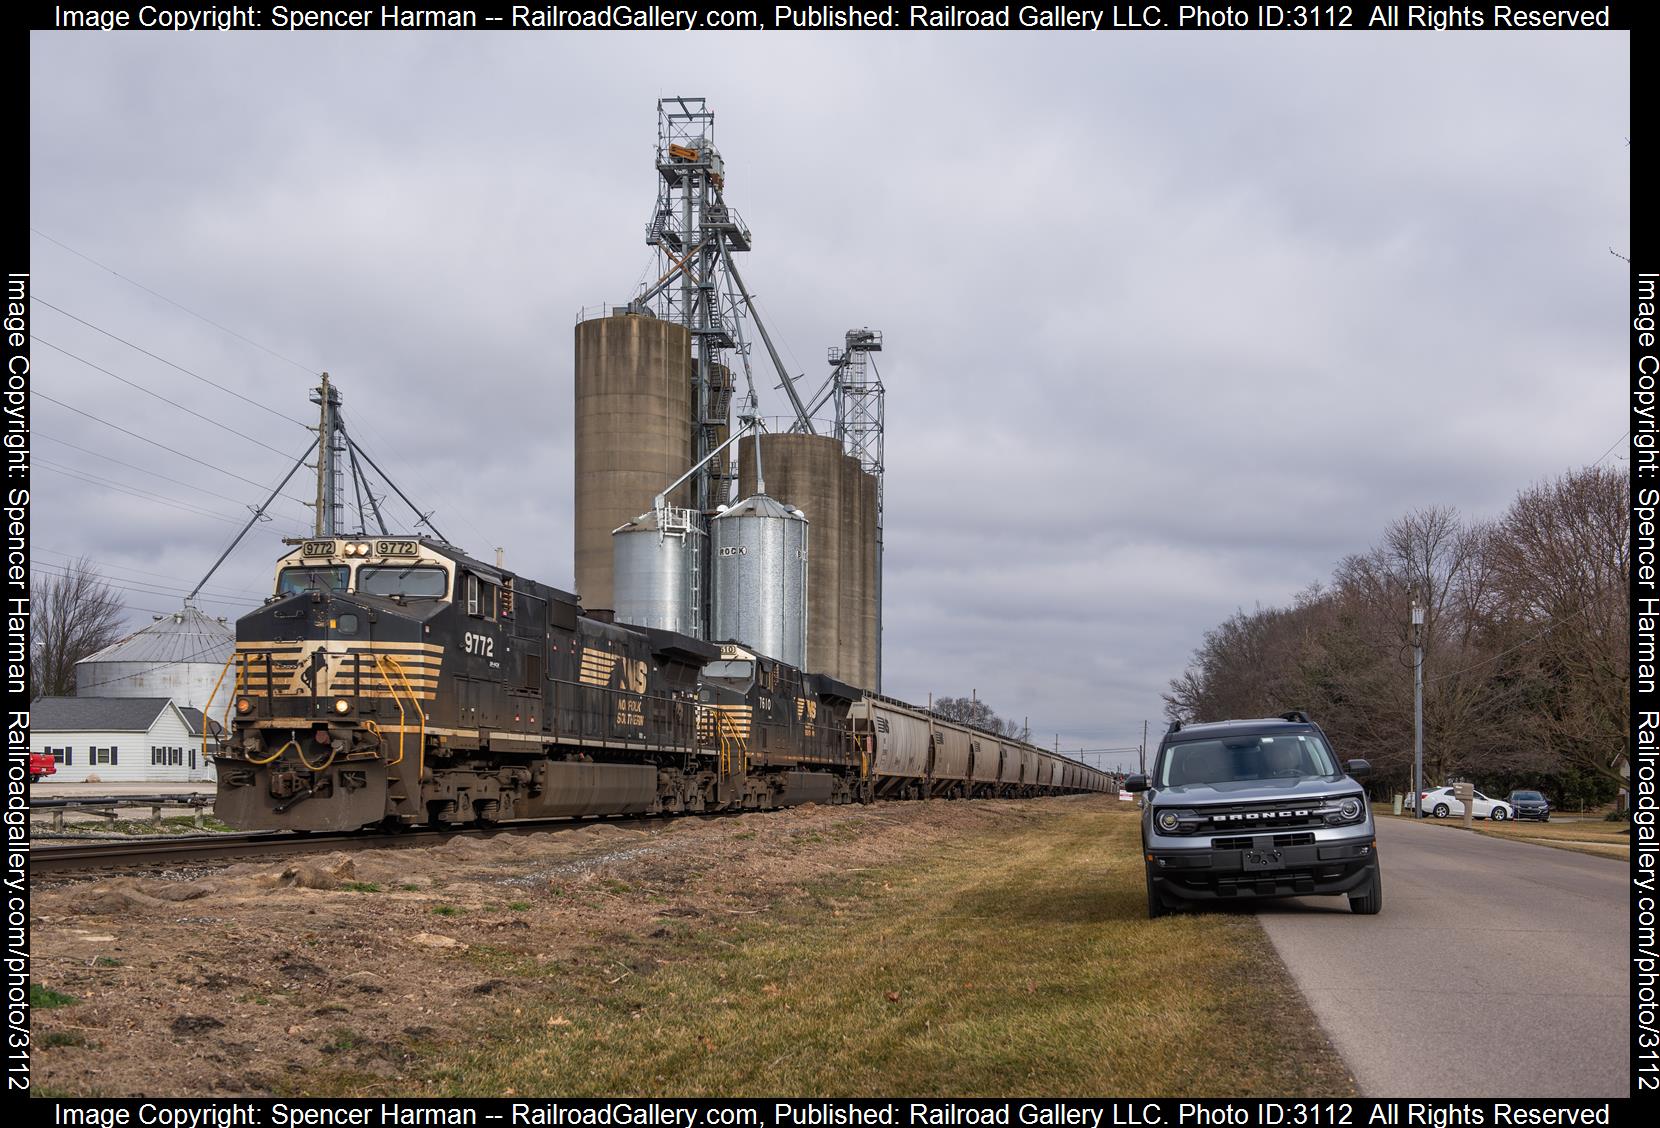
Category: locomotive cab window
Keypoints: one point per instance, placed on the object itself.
(408, 581)
(315, 577)
(730, 671)
(481, 597)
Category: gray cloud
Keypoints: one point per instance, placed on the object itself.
(1173, 322)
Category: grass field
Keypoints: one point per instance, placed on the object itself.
(1586, 836)
(1012, 959)
(1607, 839)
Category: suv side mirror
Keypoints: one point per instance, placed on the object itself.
(1358, 768)
(1135, 783)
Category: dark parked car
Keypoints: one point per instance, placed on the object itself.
(1529, 805)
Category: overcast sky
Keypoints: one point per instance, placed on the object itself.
(1173, 322)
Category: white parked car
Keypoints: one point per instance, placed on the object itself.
(1442, 802)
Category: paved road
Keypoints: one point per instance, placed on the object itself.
(1496, 969)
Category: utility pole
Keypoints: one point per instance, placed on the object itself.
(1417, 709)
(327, 399)
(1143, 747)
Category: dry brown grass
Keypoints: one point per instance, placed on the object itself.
(1599, 837)
(1012, 959)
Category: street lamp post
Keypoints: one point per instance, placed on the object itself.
(1417, 709)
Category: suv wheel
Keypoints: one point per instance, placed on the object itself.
(1369, 903)
(1440, 810)
(1155, 904)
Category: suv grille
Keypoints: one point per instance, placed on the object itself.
(1262, 817)
(1301, 839)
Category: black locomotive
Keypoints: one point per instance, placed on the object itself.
(395, 680)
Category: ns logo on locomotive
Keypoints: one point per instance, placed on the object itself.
(397, 681)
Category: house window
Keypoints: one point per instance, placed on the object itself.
(105, 756)
(158, 755)
(64, 756)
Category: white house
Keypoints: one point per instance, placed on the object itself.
(119, 739)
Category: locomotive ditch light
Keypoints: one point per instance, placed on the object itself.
(244, 706)
(342, 706)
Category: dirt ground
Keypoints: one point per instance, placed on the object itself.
(242, 978)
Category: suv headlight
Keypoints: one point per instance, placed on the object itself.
(1350, 809)
(1172, 821)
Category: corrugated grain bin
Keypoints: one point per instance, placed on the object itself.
(179, 656)
(760, 552)
(658, 579)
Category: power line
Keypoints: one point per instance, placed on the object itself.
(1549, 627)
(1611, 447)
(460, 511)
(143, 589)
(140, 469)
(169, 363)
(104, 566)
(163, 446)
(200, 317)
(159, 396)
(133, 491)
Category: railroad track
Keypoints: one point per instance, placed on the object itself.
(105, 854)
(199, 847)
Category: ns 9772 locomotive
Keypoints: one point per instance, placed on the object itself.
(397, 681)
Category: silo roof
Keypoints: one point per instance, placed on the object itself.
(186, 635)
(760, 505)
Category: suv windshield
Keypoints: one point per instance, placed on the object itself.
(1233, 759)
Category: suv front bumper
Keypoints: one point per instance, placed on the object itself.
(1264, 870)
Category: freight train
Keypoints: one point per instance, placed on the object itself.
(397, 681)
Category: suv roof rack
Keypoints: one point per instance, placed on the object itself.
(1175, 726)
(1297, 716)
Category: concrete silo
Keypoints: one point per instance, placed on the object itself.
(178, 656)
(859, 607)
(633, 432)
(811, 473)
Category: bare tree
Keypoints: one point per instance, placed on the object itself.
(972, 711)
(72, 615)
(1562, 568)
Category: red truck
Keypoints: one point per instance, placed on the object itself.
(41, 766)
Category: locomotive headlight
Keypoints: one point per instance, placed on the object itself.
(244, 706)
(363, 550)
(342, 706)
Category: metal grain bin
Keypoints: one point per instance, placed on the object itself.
(179, 656)
(633, 432)
(657, 571)
(759, 547)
